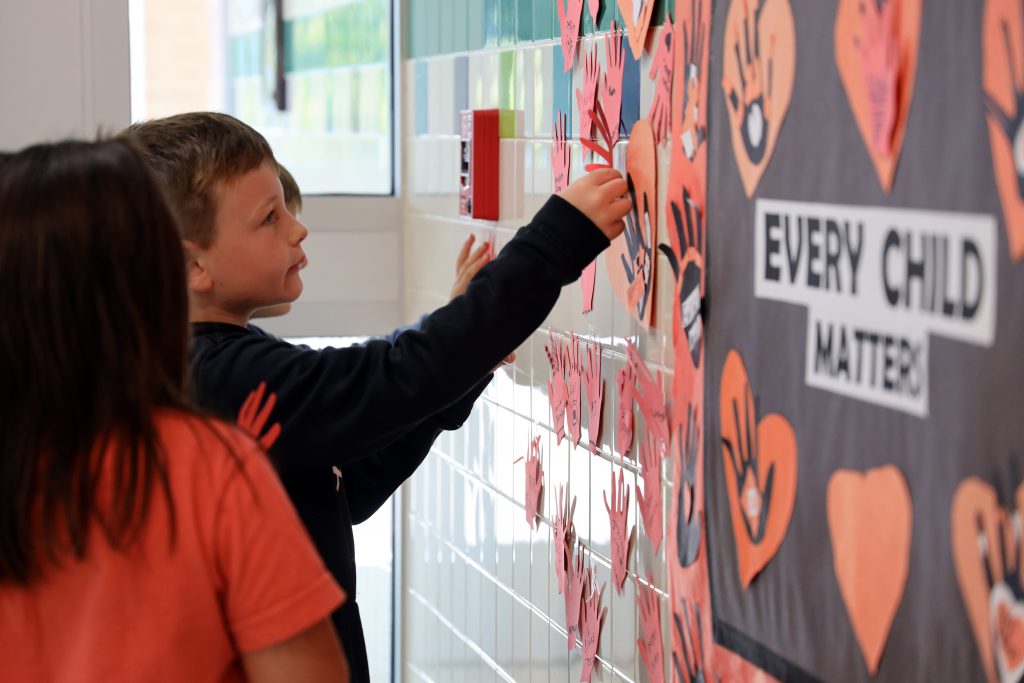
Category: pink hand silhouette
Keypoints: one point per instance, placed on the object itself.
(534, 482)
(661, 72)
(650, 505)
(574, 367)
(252, 418)
(611, 82)
(594, 385)
(626, 380)
(585, 98)
(569, 14)
(560, 159)
(650, 629)
(594, 6)
(565, 537)
(558, 392)
(618, 513)
(578, 579)
(591, 620)
(650, 396)
(880, 61)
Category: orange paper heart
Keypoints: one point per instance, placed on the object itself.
(636, 14)
(869, 520)
(760, 471)
(876, 52)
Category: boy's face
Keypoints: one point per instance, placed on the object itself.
(255, 257)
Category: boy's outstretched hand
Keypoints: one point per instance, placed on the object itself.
(467, 264)
(602, 196)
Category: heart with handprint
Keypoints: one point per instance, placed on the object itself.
(760, 457)
(986, 538)
(876, 52)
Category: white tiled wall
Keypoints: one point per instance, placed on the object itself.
(480, 597)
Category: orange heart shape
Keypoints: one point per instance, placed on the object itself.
(869, 520)
(638, 21)
(760, 471)
(876, 53)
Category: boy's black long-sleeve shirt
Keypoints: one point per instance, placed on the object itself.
(374, 410)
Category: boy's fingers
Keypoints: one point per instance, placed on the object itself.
(603, 175)
(464, 252)
(617, 187)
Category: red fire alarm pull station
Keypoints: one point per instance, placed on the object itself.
(478, 173)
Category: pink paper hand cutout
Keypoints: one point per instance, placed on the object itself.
(588, 280)
(594, 385)
(534, 482)
(565, 537)
(661, 73)
(578, 580)
(611, 82)
(650, 505)
(626, 380)
(585, 98)
(880, 62)
(574, 367)
(252, 418)
(650, 630)
(618, 513)
(569, 14)
(590, 626)
(650, 396)
(558, 392)
(594, 6)
(560, 155)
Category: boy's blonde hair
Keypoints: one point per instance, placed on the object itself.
(292, 193)
(191, 154)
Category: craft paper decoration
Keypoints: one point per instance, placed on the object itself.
(689, 123)
(252, 417)
(618, 513)
(603, 149)
(534, 482)
(650, 396)
(662, 67)
(558, 390)
(637, 16)
(560, 158)
(876, 52)
(686, 258)
(594, 6)
(1002, 48)
(594, 385)
(760, 455)
(570, 12)
(649, 644)
(869, 522)
(611, 82)
(579, 580)
(625, 379)
(689, 662)
(629, 260)
(591, 620)
(758, 63)
(650, 504)
(565, 538)
(586, 97)
(690, 521)
(574, 368)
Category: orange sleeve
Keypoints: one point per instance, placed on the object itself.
(275, 584)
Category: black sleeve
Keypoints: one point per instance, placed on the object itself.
(340, 405)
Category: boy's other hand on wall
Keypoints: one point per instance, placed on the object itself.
(601, 197)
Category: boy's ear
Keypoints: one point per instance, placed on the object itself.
(199, 279)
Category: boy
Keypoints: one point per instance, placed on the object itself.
(371, 410)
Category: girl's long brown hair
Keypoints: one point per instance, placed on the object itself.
(93, 339)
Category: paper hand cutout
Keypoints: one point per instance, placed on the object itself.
(565, 538)
(690, 282)
(569, 14)
(594, 6)
(252, 418)
(626, 380)
(590, 626)
(618, 512)
(578, 580)
(693, 132)
(588, 280)
(534, 482)
(558, 391)
(878, 46)
(1010, 124)
(688, 525)
(662, 65)
(594, 386)
(585, 99)
(603, 150)
(639, 238)
(574, 367)
(750, 106)
(637, 16)
(650, 505)
(650, 396)
(650, 628)
(611, 82)
(560, 159)
(691, 668)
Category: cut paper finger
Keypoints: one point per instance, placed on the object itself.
(870, 519)
(758, 66)
(760, 458)
(560, 155)
(587, 96)
(636, 14)
(594, 7)
(1003, 85)
(603, 148)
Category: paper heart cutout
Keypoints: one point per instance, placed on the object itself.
(1003, 68)
(760, 471)
(876, 53)
(869, 521)
(985, 546)
(636, 14)
(759, 65)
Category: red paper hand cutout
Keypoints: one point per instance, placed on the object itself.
(611, 82)
(594, 6)
(569, 14)
(604, 147)
(585, 98)
(650, 396)
(577, 581)
(534, 482)
(560, 159)
(691, 668)
(594, 385)
(626, 380)
(879, 47)
(650, 629)
(252, 418)
(575, 368)
(650, 505)
(618, 512)
(558, 392)
(590, 625)
(565, 537)
(662, 65)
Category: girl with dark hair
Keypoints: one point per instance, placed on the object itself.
(139, 540)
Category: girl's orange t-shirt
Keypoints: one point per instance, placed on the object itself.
(241, 575)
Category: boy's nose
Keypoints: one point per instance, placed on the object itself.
(299, 232)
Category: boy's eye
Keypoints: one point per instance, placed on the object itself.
(271, 217)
